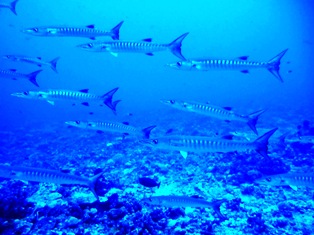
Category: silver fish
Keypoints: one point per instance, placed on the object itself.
(242, 64)
(216, 112)
(184, 201)
(10, 5)
(82, 96)
(203, 144)
(89, 31)
(293, 180)
(145, 46)
(124, 128)
(34, 60)
(47, 176)
(12, 74)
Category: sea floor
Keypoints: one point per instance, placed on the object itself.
(43, 208)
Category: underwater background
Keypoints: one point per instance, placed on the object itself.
(34, 134)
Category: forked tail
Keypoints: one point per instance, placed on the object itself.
(108, 99)
(146, 131)
(53, 64)
(115, 31)
(262, 142)
(253, 118)
(13, 5)
(92, 183)
(175, 46)
(32, 77)
(274, 65)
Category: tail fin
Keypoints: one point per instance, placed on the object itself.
(92, 182)
(253, 118)
(32, 77)
(175, 46)
(13, 5)
(216, 206)
(262, 142)
(108, 99)
(274, 65)
(114, 104)
(115, 31)
(53, 64)
(282, 139)
(146, 131)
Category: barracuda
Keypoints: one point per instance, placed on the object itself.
(89, 31)
(184, 201)
(216, 112)
(145, 46)
(83, 96)
(47, 176)
(34, 60)
(293, 180)
(123, 128)
(10, 5)
(203, 144)
(12, 74)
(242, 64)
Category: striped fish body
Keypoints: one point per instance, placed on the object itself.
(31, 60)
(291, 179)
(41, 175)
(73, 32)
(207, 110)
(121, 46)
(225, 64)
(12, 74)
(106, 126)
(178, 201)
(52, 95)
(201, 144)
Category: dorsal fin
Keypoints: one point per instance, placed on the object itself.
(13, 70)
(84, 90)
(38, 58)
(245, 57)
(91, 26)
(147, 39)
(126, 123)
(227, 108)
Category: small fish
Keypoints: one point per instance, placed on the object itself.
(89, 31)
(145, 46)
(113, 127)
(293, 180)
(147, 182)
(184, 201)
(12, 74)
(82, 96)
(48, 176)
(203, 144)
(34, 60)
(10, 5)
(225, 113)
(242, 64)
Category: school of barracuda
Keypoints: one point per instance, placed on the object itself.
(246, 142)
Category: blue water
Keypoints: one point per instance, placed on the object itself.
(33, 132)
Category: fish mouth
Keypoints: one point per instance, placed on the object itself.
(172, 65)
(18, 94)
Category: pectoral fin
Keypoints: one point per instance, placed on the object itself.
(51, 102)
(184, 154)
(114, 54)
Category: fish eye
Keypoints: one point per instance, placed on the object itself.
(172, 101)
(155, 141)
(89, 124)
(268, 179)
(35, 30)
(77, 122)
(179, 63)
(25, 93)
